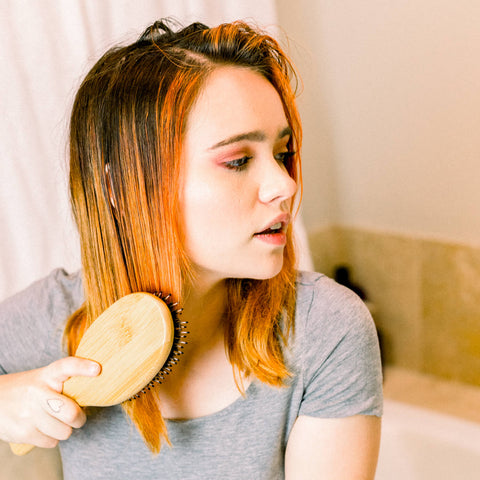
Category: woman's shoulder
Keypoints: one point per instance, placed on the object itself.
(335, 350)
(32, 321)
(58, 288)
(328, 313)
(319, 293)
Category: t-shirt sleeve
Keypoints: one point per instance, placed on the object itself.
(32, 321)
(340, 357)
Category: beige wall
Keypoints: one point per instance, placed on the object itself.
(391, 113)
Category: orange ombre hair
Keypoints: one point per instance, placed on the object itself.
(126, 135)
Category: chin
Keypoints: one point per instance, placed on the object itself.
(265, 273)
(256, 268)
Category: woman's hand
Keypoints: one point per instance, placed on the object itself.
(32, 407)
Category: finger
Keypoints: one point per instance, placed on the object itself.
(53, 421)
(65, 410)
(51, 430)
(61, 370)
(39, 439)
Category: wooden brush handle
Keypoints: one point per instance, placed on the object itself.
(20, 448)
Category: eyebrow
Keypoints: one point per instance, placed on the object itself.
(254, 136)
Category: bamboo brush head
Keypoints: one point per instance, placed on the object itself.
(131, 340)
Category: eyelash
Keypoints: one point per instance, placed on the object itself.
(241, 163)
(238, 164)
(284, 157)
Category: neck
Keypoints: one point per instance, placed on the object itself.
(203, 382)
(203, 309)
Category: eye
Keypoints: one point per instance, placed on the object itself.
(284, 157)
(238, 164)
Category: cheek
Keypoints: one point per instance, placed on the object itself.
(209, 211)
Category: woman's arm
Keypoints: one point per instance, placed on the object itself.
(32, 407)
(333, 448)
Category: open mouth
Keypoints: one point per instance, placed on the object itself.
(275, 232)
(276, 228)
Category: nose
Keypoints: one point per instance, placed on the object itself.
(276, 184)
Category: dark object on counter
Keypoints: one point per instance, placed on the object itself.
(342, 276)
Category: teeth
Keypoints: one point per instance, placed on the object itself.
(273, 229)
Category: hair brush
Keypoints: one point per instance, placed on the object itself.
(136, 341)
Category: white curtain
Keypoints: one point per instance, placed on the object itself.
(46, 46)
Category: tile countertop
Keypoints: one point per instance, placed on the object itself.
(428, 391)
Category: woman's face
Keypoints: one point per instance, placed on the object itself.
(237, 193)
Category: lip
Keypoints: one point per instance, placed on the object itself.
(283, 218)
(279, 237)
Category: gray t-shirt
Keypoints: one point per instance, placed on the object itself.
(333, 356)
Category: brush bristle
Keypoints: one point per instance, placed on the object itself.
(180, 333)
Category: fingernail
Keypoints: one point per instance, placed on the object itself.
(95, 368)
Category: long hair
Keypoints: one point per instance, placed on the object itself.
(126, 133)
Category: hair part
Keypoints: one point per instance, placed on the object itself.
(126, 133)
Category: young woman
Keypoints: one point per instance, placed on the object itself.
(184, 162)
